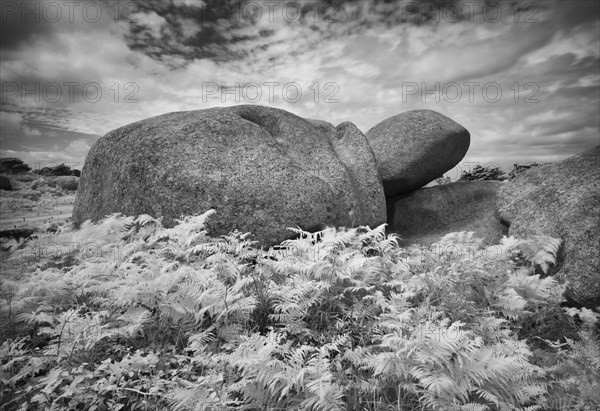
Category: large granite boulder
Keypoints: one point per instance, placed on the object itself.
(562, 200)
(426, 215)
(262, 170)
(415, 148)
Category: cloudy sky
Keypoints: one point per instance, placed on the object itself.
(523, 77)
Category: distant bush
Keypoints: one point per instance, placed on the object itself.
(483, 173)
(25, 177)
(5, 184)
(56, 186)
(59, 170)
(69, 183)
(442, 181)
(10, 165)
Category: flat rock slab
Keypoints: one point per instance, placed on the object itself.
(426, 215)
(414, 148)
(562, 200)
(262, 170)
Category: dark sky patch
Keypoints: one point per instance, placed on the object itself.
(21, 22)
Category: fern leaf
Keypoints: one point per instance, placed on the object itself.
(541, 250)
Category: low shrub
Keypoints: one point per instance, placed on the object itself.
(5, 183)
(25, 177)
(480, 172)
(68, 183)
(33, 195)
(9, 203)
(58, 170)
(9, 165)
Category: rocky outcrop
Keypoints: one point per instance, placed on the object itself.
(414, 148)
(262, 170)
(426, 215)
(562, 200)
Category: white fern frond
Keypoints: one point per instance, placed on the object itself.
(588, 316)
(541, 250)
(376, 234)
(460, 237)
(511, 304)
(533, 287)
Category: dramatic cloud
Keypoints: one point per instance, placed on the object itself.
(523, 77)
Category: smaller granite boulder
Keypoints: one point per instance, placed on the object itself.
(416, 147)
(562, 200)
(5, 184)
(426, 215)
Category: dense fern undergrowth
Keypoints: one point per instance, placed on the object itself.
(126, 314)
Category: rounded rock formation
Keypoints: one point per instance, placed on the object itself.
(562, 200)
(426, 215)
(414, 148)
(262, 170)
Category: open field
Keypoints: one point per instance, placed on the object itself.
(35, 203)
